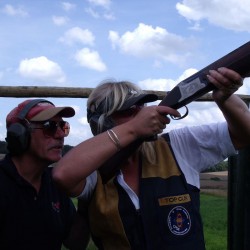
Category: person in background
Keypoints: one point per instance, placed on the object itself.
(153, 199)
(34, 213)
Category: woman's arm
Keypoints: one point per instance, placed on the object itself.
(233, 108)
(71, 171)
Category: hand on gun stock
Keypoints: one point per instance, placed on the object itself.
(226, 82)
(151, 120)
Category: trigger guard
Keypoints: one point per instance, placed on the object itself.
(183, 116)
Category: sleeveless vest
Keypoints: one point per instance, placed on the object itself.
(168, 218)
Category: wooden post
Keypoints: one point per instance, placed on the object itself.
(239, 201)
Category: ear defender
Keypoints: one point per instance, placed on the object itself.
(18, 138)
(18, 133)
(93, 118)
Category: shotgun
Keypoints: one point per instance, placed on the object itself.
(182, 94)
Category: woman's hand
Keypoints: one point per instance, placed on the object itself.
(151, 120)
(226, 82)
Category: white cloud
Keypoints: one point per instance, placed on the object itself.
(12, 11)
(109, 16)
(68, 6)
(230, 14)
(102, 3)
(78, 35)
(186, 74)
(157, 84)
(41, 69)
(76, 135)
(92, 12)
(100, 9)
(83, 120)
(76, 108)
(164, 84)
(196, 27)
(96, 14)
(60, 20)
(157, 64)
(157, 43)
(245, 88)
(90, 59)
(199, 112)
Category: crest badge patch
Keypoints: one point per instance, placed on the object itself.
(56, 206)
(179, 221)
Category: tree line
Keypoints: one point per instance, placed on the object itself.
(4, 149)
(222, 166)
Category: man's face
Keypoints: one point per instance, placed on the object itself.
(47, 140)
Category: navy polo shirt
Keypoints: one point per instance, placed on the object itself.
(31, 220)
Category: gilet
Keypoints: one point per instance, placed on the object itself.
(168, 217)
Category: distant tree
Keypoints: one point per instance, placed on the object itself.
(222, 166)
(66, 148)
(4, 150)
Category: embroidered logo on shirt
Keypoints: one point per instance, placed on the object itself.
(179, 222)
(173, 200)
(56, 206)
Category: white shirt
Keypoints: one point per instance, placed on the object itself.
(195, 148)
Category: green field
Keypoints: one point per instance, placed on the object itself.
(214, 215)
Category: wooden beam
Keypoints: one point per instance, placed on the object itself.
(34, 91)
(71, 92)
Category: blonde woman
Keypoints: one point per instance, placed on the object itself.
(152, 201)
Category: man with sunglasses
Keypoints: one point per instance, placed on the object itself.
(34, 214)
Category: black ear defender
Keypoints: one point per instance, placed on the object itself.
(93, 118)
(18, 133)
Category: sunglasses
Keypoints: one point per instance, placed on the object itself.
(50, 128)
(129, 112)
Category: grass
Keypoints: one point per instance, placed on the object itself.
(214, 215)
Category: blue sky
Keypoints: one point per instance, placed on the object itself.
(80, 43)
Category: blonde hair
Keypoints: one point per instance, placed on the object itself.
(108, 97)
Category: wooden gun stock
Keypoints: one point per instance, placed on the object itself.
(183, 93)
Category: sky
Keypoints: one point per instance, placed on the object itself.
(80, 43)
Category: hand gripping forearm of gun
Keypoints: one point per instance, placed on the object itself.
(182, 94)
